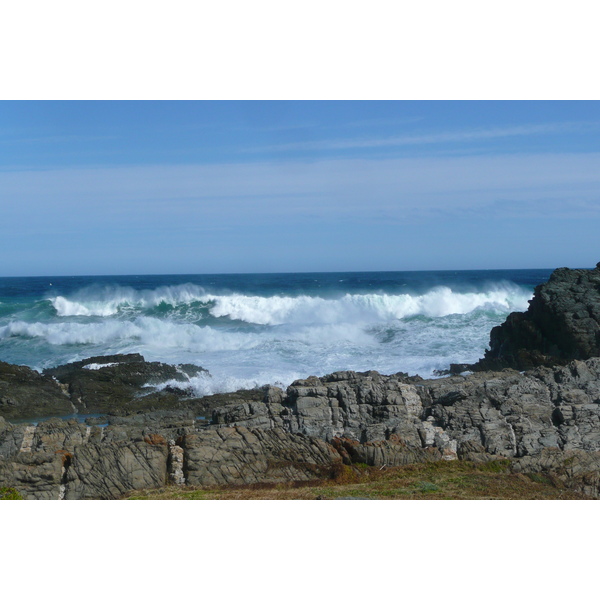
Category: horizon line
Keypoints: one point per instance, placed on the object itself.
(291, 272)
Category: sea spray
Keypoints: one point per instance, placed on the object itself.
(250, 330)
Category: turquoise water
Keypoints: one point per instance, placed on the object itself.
(250, 330)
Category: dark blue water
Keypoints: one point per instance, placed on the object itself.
(272, 328)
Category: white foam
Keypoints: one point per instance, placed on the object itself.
(109, 300)
(206, 384)
(70, 308)
(249, 340)
(147, 331)
(277, 310)
(439, 302)
(152, 333)
(97, 366)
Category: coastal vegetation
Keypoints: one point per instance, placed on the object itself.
(441, 480)
(9, 493)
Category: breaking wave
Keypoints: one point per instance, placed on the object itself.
(110, 300)
(278, 310)
(254, 330)
(151, 332)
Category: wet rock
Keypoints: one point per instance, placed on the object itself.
(25, 393)
(124, 383)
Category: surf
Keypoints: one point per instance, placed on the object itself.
(263, 329)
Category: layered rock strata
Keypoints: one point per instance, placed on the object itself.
(69, 460)
(544, 419)
(547, 419)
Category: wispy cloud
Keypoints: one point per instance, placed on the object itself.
(277, 192)
(435, 137)
(301, 214)
(54, 139)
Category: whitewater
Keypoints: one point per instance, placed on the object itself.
(250, 330)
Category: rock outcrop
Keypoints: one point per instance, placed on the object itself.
(561, 324)
(237, 455)
(501, 414)
(545, 419)
(24, 393)
(70, 460)
(123, 383)
(315, 425)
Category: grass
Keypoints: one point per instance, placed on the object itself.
(444, 480)
(8, 493)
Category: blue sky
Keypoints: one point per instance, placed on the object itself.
(232, 187)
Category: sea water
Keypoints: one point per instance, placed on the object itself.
(250, 330)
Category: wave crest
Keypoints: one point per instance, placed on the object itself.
(294, 310)
(107, 301)
(439, 302)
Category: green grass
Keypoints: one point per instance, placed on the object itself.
(444, 480)
(8, 493)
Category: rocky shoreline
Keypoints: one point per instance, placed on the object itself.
(533, 399)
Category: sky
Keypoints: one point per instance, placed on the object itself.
(153, 187)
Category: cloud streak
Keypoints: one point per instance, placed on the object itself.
(435, 138)
(272, 192)
(351, 214)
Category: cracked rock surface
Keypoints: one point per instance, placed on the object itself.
(543, 417)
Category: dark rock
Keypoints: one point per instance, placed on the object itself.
(206, 406)
(126, 383)
(455, 369)
(561, 324)
(25, 393)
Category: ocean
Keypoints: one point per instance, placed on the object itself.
(250, 330)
